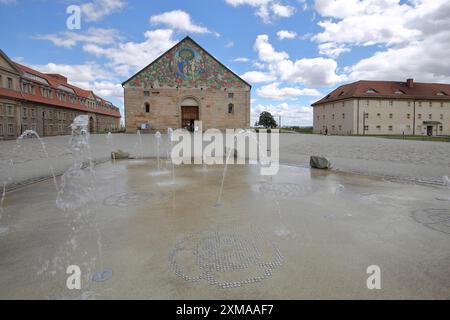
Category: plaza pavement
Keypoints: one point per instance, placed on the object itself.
(417, 161)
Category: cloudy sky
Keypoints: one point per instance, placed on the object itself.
(291, 51)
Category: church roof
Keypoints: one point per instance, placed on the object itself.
(195, 43)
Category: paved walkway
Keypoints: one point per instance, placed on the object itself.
(418, 161)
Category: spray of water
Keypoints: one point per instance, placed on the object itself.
(219, 198)
(11, 168)
(158, 146)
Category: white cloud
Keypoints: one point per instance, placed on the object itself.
(70, 39)
(283, 11)
(266, 52)
(425, 61)
(267, 10)
(257, 77)
(412, 36)
(6, 2)
(97, 9)
(273, 91)
(129, 57)
(241, 59)
(290, 115)
(229, 44)
(332, 49)
(81, 75)
(312, 71)
(286, 34)
(179, 20)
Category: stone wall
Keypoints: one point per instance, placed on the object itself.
(165, 108)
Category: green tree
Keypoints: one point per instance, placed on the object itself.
(266, 120)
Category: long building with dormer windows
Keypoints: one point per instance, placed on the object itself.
(385, 108)
(47, 103)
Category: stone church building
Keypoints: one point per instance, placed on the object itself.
(183, 85)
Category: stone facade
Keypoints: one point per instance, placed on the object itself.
(47, 104)
(396, 115)
(184, 80)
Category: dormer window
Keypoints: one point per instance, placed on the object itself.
(441, 93)
(327, 97)
(341, 94)
(371, 91)
(399, 92)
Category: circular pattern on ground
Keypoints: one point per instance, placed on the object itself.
(286, 189)
(226, 260)
(436, 219)
(126, 199)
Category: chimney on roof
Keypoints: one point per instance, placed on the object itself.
(58, 76)
(410, 83)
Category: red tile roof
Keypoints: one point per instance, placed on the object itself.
(54, 81)
(387, 90)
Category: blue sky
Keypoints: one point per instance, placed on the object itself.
(292, 51)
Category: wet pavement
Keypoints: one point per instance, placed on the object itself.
(300, 234)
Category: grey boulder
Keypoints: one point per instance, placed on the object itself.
(119, 154)
(319, 162)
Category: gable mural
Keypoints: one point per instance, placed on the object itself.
(188, 66)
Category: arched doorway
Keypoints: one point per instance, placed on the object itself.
(91, 125)
(189, 113)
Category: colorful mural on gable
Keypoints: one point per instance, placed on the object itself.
(187, 65)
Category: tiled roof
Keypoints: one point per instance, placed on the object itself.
(389, 90)
(55, 81)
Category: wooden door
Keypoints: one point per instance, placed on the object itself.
(188, 115)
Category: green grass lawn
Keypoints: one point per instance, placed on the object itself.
(420, 138)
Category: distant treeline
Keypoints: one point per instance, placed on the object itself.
(299, 129)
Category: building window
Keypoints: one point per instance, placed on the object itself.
(340, 128)
(378, 127)
(147, 107)
(333, 127)
(441, 117)
(1, 129)
(230, 108)
(390, 128)
(10, 128)
(419, 116)
(332, 116)
(408, 127)
(409, 103)
(442, 104)
(408, 116)
(431, 104)
(391, 103)
(230, 95)
(391, 115)
(366, 128)
(146, 93)
(430, 117)
(323, 117)
(343, 116)
(441, 128)
(366, 115)
(420, 103)
(367, 102)
(10, 83)
(10, 111)
(378, 115)
(25, 112)
(419, 128)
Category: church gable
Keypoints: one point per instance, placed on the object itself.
(187, 65)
